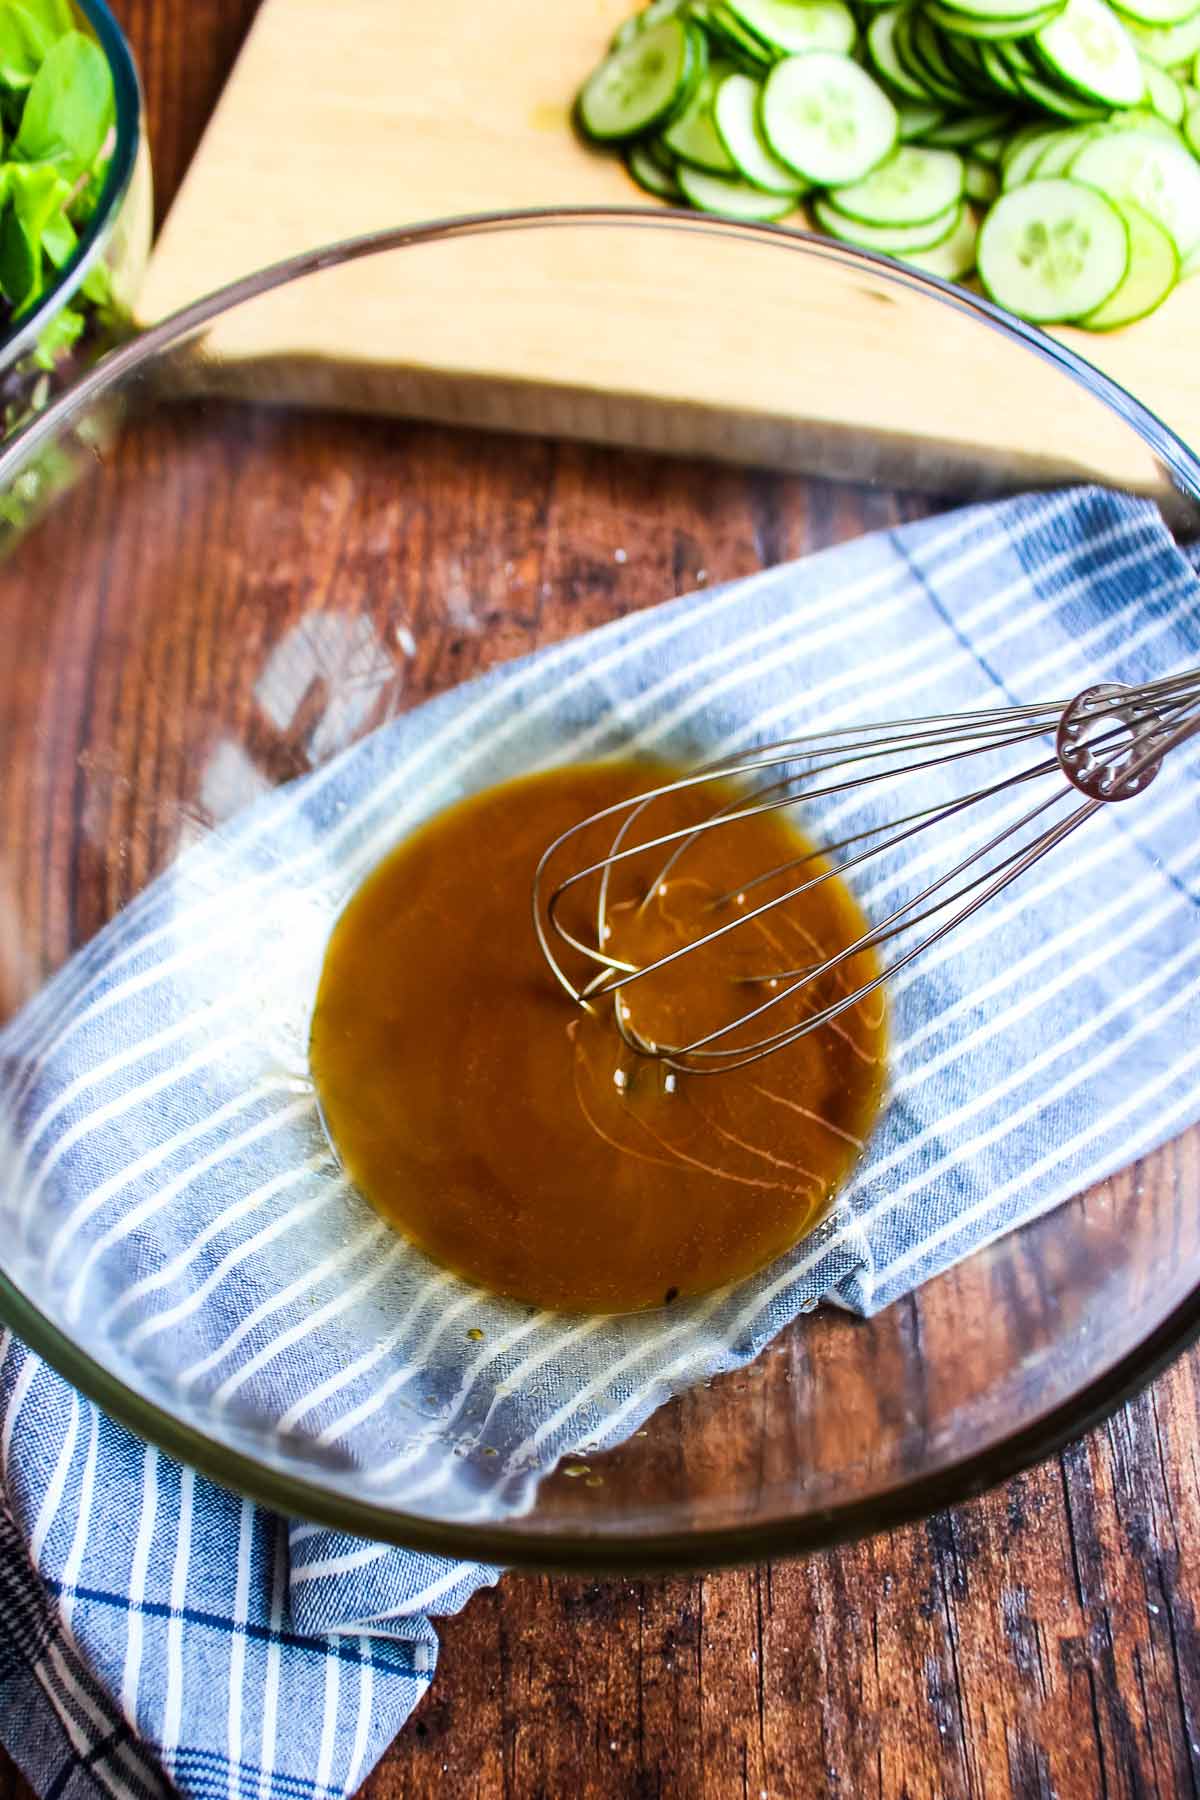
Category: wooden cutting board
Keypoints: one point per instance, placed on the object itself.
(340, 119)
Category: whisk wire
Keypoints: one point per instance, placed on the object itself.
(682, 1059)
(686, 834)
(890, 927)
(1108, 743)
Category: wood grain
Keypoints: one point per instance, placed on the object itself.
(1040, 1641)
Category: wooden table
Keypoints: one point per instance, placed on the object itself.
(1042, 1641)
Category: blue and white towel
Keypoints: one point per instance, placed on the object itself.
(170, 1200)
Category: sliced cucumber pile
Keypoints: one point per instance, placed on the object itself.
(1049, 147)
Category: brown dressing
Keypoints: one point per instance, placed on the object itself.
(514, 1137)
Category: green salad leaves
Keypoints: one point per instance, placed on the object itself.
(57, 114)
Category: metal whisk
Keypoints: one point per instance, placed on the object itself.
(1108, 745)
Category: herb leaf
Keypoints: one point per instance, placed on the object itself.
(27, 33)
(59, 334)
(34, 223)
(96, 285)
(69, 108)
(59, 239)
(20, 261)
(54, 17)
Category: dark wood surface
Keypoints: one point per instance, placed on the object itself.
(1041, 1641)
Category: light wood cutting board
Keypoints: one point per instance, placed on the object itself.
(340, 119)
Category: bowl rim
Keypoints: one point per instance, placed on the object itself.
(579, 1549)
(129, 113)
(578, 1552)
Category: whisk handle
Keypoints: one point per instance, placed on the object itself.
(1112, 739)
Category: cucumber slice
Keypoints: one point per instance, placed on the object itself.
(797, 25)
(693, 134)
(636, 85)
(960, 52)
(732, 199)
(989, 149)
(1163, 92)
(1017, 57)
(959, 59)
(658, 151)
(1153, 271)
(1137, 118)
(1090, 50)
(1053, 250)
(980, 181)
(741, 43)
(932, 65)
(1022, 136)
(1191, 129)
(998, 71)
(955, 256)
(1020, 161)
(891, 240)
(881, 49)
(1057, 100)
(697, 73)
(998, 10)
(1153, 173)
(649, 173)
(909, 187)
(927, 45)
(902, 40)
(1058, 156)
(966, 131)
(916, 118)
(654, 14)
(826, 118)
(915, 66)
(735, 114)
(1168, 44)
(981, 31)
(1156, 12)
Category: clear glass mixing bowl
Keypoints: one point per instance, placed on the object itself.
(227, 556)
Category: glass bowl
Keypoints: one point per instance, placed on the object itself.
(117, 235)
(228, 557)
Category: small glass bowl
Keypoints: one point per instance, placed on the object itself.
(117, 235)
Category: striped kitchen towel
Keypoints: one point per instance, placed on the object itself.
(172, 1206)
